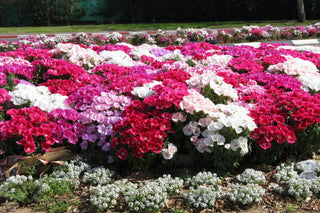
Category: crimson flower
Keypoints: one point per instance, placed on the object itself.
(122, 153)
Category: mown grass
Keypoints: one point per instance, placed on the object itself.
(147, 26)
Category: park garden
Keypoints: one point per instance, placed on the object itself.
(164, 122)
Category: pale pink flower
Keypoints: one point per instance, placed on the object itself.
(178, 116)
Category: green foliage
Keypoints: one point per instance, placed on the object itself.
(215, 98)
(138, 39)
(292, 208)
(21, 192)
(26, 190)
(48, 12)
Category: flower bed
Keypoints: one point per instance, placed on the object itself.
(137, 105)
(220, 36)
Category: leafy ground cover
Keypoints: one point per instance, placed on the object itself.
(194, 106)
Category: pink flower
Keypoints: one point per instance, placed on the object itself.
(264, 143)
(178, 116)
(45, 146)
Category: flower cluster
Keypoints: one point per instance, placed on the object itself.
(4, 97)
(245, 194)
(298, 180)
(182, 36)
(130, 100)
(97, 175)
(102, 197)
(73, 169)
(251, 176)
(39, 96)
(170, 185)
(149, 196)
(202, 178)
(31, 126)
(141, 130)
(305, 71)
(285, 173)
(204, 197)
(78, 55)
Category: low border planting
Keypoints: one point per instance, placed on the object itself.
(154, 195)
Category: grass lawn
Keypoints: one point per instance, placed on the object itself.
(147, 26)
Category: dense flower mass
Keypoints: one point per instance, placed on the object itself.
(129, 100)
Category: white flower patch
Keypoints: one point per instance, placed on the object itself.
(145, 90)
(117, 57)
(245, 194)
(305, 71)
(294, 66)
(71, 169)
(179, 65)
(204, 197)
(216, 83)
(144, 49)
(78, 55)
(102, 197)
(169, 184)
(97, 175)
(231, 115)
(310, 80)
(38, 96)
(204, 178)
(222, 60)
(149, 196)
(175, 55)
(251, 176)
(115, 36)
(234, 116)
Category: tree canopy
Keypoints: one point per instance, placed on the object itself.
(61, 12)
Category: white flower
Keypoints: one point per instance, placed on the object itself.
(144, 49)
(117, 57)
(168, 153)
(215, 126)
(241, 143)
(222, 60)
(38, 96)
(78, 55)
(145, 90)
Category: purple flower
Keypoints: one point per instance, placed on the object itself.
(106, 147)
(84, 145)
(93, 137)
(91, 128)
(85, 137)
(110, 159)
(160, 52)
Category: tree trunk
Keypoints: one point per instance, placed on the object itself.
(48, 13)
(68, 12)
(301, 11)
